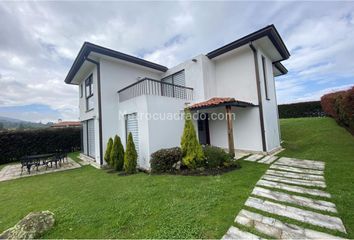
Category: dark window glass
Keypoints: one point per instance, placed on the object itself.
(264, 66)
(89, 93)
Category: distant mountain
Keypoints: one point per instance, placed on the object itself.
(7, 119)
(13, 123)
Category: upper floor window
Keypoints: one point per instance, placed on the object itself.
(89, 93)
(81, 90)
(177, 78)
(169, 90)
(264, 66)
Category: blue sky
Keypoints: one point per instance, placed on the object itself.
(39, 41)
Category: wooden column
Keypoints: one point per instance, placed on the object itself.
(230, 132)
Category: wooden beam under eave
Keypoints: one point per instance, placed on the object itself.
(230, 131)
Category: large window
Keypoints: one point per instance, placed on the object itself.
(89, 93)
(264, 66)
(169, 90)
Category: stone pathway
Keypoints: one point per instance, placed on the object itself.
(13, 171)
(261, 158)
(239, 155)
(277, 195)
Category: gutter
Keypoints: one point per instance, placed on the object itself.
(261, 119)
(99, 104)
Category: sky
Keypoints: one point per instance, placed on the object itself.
(40, 40)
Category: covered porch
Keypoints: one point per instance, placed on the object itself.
(228, 123)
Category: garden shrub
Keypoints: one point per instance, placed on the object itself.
(301, 109)
(130, 156)
(16, 144)
(107, 155)
(114, 152)
(216, 157)
(340, 106)
(191, 149)
(120, 160)
(164, 159)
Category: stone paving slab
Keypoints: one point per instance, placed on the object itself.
(254, 157)
(295, 175)
(294, 199)
(235, 233)
(239, 155)
(268, 159)
(298, 214)
(301, 182)
(317, 165)
(291, 188)
(14, 171)
(277, 229)
(295, 169)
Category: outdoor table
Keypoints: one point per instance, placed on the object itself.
(35, 160)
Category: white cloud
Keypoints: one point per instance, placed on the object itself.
(316, 95)
(39, 41)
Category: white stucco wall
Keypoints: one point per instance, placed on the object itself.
(156, 130)
(116, 75)
(235, 75)
(193, 76)
(135, 105)
(167, 131)
(270, 108)
(246, 129)
(92, 114)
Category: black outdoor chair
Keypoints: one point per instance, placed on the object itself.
(56, 159)
(64, 155)
(28, 163)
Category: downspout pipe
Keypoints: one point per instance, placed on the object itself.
(99, 104)
(261, 118)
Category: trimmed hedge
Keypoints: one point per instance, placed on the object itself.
(340, 106)
(216, 157)
(302, 109)
(164, 159)
(16, 144)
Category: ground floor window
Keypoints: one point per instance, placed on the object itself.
(88, 138)
(131, 126)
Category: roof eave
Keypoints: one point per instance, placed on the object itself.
(269, 31)
(87, 48)
(233, 104)
(281, 68)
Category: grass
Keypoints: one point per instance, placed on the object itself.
(322, 139)
(90, 203)
(75, 156)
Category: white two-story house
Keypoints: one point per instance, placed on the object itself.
(120, 93)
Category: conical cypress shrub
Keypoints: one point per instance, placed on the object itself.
(120, 160)
(191, 149)
(114, 152)
(107, 155)
(130, 156)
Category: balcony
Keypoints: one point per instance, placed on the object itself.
(148, 86)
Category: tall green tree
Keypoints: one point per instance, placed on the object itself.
(191, 149)
(107, 155)
(114, 152)
(130, 156)
(120, 160)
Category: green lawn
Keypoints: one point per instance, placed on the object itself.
(90, 203)
(322, 139)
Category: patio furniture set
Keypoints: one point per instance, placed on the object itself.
(46, 160)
